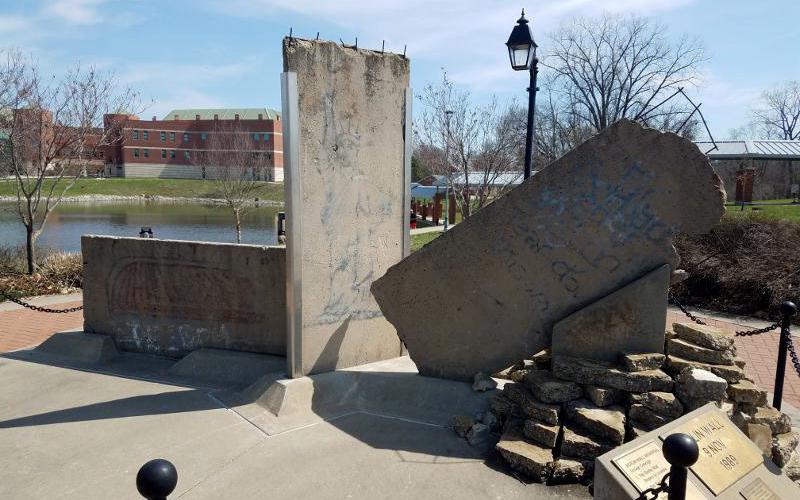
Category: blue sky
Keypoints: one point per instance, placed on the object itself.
(211, 53)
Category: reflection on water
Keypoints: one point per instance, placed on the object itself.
(176, 222)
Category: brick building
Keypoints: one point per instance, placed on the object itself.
(174, 146)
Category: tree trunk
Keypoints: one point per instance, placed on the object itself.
(30, 241)
(238, 225)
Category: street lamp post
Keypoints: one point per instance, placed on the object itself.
(522, 52)
(447, 115)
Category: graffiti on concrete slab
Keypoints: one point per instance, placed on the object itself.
(143, 286)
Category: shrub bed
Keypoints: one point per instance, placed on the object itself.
(746, 265)
(57, 272)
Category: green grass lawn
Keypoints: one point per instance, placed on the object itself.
(784, 212)
(420, 240)
(152, 187)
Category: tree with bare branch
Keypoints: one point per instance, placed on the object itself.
(474, 145)
(53, 128)
(608, 68)
(233, 159)
(778, 115)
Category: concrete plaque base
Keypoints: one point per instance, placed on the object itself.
(730, 465)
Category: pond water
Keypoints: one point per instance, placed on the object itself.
(169, 221)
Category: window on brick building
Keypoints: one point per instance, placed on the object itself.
(172, 137)
(163, 137)
(145, 135)
(203, 136)
(269, 156)
(266, 137)
(185, 137)
(135, 153)
(255, 137)
(185, 155)
(146, 153)
(135, 135)
(172, 155)
(164, 154)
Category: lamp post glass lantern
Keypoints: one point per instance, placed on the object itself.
(521, 47)
(522, 54)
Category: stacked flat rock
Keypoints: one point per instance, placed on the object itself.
(559, 414)
(590, 431)
(585, 371)
(708, 349)
(704, 347)
(696, 387)
(650, 410)
(532, 414)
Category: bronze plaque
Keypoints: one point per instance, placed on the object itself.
(758, 490)
(646, 466)
(726, 455)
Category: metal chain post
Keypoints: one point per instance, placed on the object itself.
(39, 308)
(788, 309)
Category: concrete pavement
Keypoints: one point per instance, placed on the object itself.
(75, 433)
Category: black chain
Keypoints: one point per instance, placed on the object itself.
(685, 311)
(740, 333)
(748, 333)
(663, 487)
(793, 354)
(39, 308)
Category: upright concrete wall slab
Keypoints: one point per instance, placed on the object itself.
(173, 297)
(346, 186)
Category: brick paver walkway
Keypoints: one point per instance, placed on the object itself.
(21, 328)
(760, 352)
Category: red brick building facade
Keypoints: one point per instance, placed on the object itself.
(173, 147)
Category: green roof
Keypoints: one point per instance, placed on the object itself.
(223, 113)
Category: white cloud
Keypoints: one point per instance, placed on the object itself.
(467, 37)
(75, 11)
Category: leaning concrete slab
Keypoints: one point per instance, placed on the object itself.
(630, 319)
(346, 135)
(79, 347)
(488, 292)
(172, 297)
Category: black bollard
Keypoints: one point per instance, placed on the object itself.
(681, 452)
(156, 479)
(788, 309)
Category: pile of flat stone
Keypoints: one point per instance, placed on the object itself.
(553, 417)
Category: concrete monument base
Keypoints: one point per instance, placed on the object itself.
(390, 388)
(79, 347)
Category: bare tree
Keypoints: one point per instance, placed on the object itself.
(612, 67)
(475, 144)
(778, 117)
(234, 160)
(53, 128)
